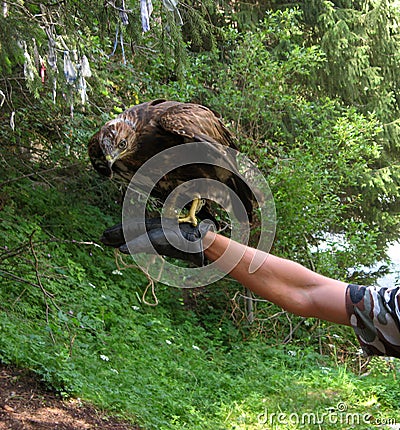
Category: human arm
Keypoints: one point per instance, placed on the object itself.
(283, 282)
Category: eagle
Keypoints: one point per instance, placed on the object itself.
(125, 143)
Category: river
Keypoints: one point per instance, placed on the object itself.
(394, 275)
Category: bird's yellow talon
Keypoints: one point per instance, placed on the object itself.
(188, 218)
(196, 206)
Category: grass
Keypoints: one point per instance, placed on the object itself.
(69, 315)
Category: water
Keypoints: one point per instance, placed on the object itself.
(390, 279)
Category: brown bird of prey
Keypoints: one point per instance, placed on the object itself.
(125, 143)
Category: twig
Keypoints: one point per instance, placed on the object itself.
(21, 78)
(17, 278)
(46, 294)
(120, 261)
(254, 299)
(36, 173)
(41, 177)
(119, 9)
(289, 337)
(14, 252)
(312, 266)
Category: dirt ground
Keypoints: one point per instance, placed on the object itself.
(26, 404)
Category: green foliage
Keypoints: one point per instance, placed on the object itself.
(67, 313)
(87, 333)
(321, 158)
(361, 44)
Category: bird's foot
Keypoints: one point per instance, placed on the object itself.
(191, 217)
(188, 218)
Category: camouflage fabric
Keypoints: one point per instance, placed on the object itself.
(374, 314)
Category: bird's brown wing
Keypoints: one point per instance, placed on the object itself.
(197, 123)
(162, 124)
(97, 157)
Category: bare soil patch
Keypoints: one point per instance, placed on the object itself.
(27, 404)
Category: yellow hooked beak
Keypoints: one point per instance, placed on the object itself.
(110, 161)
(112, 158)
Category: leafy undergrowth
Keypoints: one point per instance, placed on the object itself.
(68, 314)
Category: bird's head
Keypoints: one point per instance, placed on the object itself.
(117, 139)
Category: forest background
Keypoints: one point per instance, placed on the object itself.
(311, 91)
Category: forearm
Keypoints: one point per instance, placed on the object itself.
(283, 282)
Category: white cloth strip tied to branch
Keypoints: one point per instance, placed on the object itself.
(122, 47)
(29, 68)
(69, 69)
(52, 55)
(3, 96)
(5, 9)
(172, 6)
(36, 56)
(146, 9)
(115, 42)
(54, 90)
(121, 41)
(12, 120)
(83, 72)
(82, 89)
(123, 14)
(52, 58)
(85, 67)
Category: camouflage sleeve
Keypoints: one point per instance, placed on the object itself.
(374, 314)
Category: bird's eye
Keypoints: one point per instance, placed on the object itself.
(122, 144)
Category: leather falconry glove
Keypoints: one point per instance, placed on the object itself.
(171, 239)
(114, 236)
